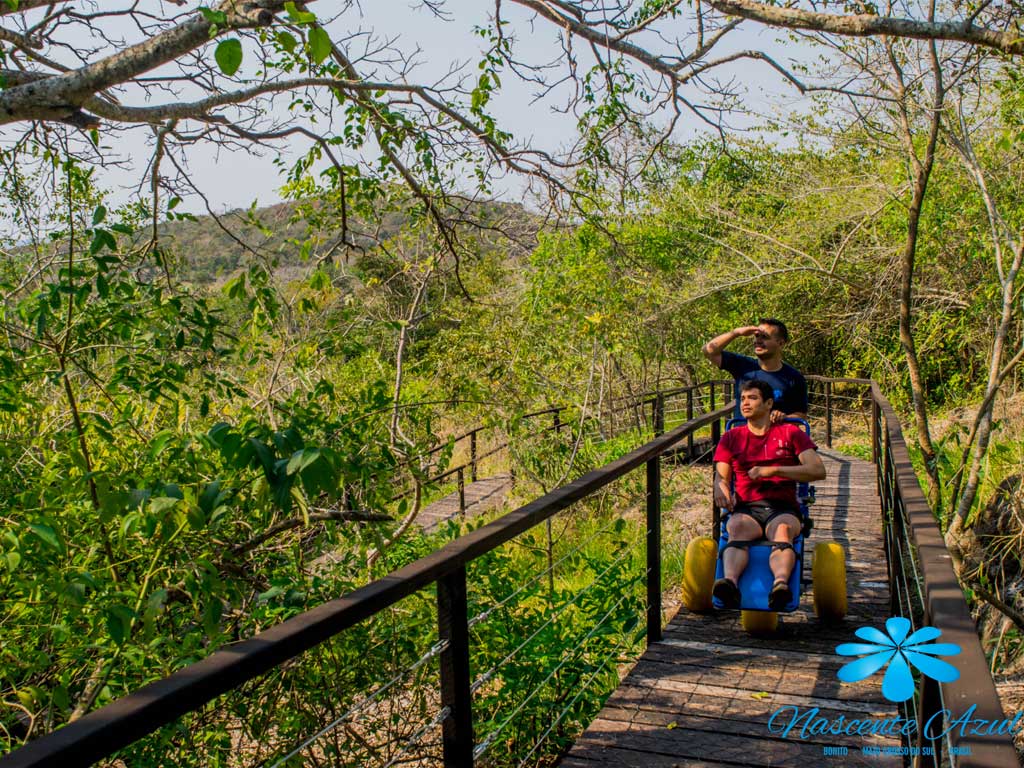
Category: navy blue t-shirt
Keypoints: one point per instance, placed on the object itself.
(788, 383)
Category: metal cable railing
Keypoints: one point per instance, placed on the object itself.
(484, 615)
(583, 687)
(365, 702)
(485, 677)
(483, 746)
(437, 720)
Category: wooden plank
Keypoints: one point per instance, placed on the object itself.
(694, 721)
(719, 747)
(713, 702)
(733, 681)
(599, 756)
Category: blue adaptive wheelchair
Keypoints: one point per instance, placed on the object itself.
(703, 565)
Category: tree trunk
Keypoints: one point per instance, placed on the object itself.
(922, 169)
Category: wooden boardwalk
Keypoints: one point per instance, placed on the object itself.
(480, 496)
(703, 696)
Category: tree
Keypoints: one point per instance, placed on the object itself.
(187, 76)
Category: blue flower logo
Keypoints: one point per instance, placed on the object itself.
(896, 649)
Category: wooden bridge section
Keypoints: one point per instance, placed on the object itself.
(703, 694)
(704, 691)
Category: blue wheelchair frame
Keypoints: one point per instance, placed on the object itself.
(756, 580)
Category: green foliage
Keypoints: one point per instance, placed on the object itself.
(229, 55)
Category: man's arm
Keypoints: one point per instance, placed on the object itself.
(713, 349)
(723, 481)
(810, 468)
(779, 416)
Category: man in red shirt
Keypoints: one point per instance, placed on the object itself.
(767, 460)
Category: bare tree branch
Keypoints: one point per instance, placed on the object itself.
(871, 25)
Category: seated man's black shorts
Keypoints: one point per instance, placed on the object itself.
(765, 511)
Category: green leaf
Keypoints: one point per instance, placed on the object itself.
(211, 616)
(12, 4)
(229, 55)
(102, 238)
(159, 442)
(196, 518)
(302, 459)
(47, 534)
(99, 215)
(119, 622)
(161, 504)
(13, 559)
(211, 497)
(212, 16)
(173, 203)
(319, 44)
(287, 41)
(320, 280)
(297, 16)
(270, 594)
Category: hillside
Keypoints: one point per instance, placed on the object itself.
(210, 248)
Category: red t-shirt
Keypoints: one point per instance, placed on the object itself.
(778, 447)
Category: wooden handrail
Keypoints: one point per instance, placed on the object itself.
(944, 603)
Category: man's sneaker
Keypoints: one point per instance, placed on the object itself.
(727, 592)
(780, 595)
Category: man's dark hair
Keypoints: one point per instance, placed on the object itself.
(783, 331)
(767, 393)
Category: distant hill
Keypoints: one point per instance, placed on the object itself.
(206, 253)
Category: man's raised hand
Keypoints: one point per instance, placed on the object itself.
(759, 473)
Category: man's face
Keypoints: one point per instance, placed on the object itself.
(752, 405)
(766, 341)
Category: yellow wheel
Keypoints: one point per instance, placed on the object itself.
(829, 575)
(759, 622)
(699, 573)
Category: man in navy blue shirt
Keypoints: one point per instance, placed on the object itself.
(770, 336)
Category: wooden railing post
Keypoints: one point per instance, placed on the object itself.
(659, 414)
(453, 626)
(654, 550)
(716, 425)
(472, 456)
(928, 704)
(689, 415)
(828, 414)
(876, 453)
(462, 491)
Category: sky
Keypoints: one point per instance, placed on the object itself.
(234, 179)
